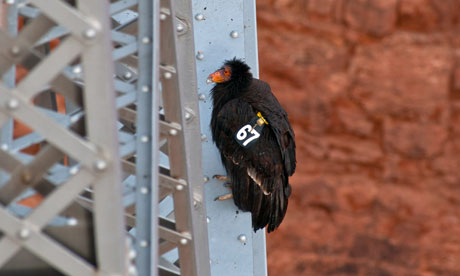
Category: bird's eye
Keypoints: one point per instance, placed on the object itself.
(227, 72)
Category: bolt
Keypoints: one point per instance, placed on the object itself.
(15, 50)
(9, 2)
(127, 75)
(12, 104)
(180, 28)
(242, 238)
(72, 222)
(26, 177)
(77, 69)
(202, 97)
(205, 179)
(132, 271)
(146, 40)
(179, 187)
(203, 137)
(145, 89)
(199, 55)
(143, 243)
(234, 34)
(167, 75)
(144, 139)
(183, 241)
(73, 170)
(24, 233)
(208, 219)
(4, 147)
(162, 16)
(188, 116)
(172, 132)
(144, 190)
(100, 165)
(199, 16)
(89, 34)
(132, 254)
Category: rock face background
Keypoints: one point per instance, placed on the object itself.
(372, 88)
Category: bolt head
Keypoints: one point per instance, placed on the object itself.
(100, 165)
(127, 75)
(203, 138)
(188, 116)
(145, 89)
(132, 271)
(242, 238)
(172, 132)
(89, 34)
(144, 190)
(200, 55)
(179, 187)
(9, 2)
(12, 104)
(234, 34)
(132, 254)
(199, 17)
(72, 221)
(180, 27)
(24, 233)
(73, 170)
(208, 219)
(143, 243)
(4, 147)
(205, 179)
(202, 97)
(146, 40)
(183, 241)
(162, 16)
(144, 139)
(167, 75)
(77, 69)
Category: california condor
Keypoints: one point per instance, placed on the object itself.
(256, 143)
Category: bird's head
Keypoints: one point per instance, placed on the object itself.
(233, 70)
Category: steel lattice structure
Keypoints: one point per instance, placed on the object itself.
(126, 152)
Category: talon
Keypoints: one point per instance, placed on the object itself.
(221, 177)
(224, 197)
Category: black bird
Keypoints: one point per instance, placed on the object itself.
(256, 143)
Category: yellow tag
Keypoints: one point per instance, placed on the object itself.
(261, 117)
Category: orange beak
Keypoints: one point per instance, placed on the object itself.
(216, 77)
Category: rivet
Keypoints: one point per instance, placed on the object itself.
(202, 97)
(203, 137)
(242, 238)
(12, 104)
(72, 221)
(199, 16)
(77, 69)
(132, 271)
(127, 75)
(208, 219)
(188, 116)
(24, 233)
(205, 179)
(183, 241)
(167, 75)
(144, 139)
(199, 55)
(89, 34)
(195, 203)
(162, 16)
(144, 190)
(132, 254)
(180, 28)
(172, 132)
(73, 170)
(146, 40)
(4, 147)
(143, 243)
(100, 165)
(179, 187)
(9, 2)
(26, 177)
(145, 89)
(234, 34)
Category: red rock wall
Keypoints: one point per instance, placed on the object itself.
(372, 88)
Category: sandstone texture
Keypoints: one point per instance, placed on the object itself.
(372, 88)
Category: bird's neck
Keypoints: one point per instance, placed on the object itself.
(224, 92)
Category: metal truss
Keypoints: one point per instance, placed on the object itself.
(120, 171)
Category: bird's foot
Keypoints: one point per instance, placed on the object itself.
(224, 197)
(228, 185)
(221, 177)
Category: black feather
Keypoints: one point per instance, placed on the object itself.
(270, 161)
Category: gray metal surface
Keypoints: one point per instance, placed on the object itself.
(223, 30)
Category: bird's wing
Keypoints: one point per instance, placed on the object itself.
(263, 161)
